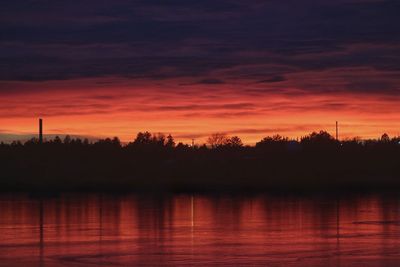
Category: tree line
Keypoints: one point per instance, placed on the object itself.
(321, 139)
(156, 162)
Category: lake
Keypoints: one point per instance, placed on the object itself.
(199, 230)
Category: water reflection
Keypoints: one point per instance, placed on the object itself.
(129, 230)
(41, 238)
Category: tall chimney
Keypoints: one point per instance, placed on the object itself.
(40, 131)
(337, 131)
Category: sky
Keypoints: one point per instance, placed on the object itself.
(104, 68)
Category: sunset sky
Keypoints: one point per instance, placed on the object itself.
(253, 68)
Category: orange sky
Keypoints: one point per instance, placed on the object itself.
(191, 68)
(106, 107)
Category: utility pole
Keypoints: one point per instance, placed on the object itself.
(40, 131)
(193, 143)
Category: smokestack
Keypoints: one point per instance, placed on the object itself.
(40, 131)
(337, 131)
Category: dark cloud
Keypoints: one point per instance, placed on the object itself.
(210, 41)
(235, 106)
(211, 81)
(274, 79)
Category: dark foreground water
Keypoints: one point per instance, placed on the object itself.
(186, 230)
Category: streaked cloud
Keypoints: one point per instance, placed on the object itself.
(192, 67)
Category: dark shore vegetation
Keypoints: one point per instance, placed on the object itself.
(153, 162)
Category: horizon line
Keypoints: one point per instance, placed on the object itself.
(24, 137)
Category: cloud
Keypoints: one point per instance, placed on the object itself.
(217, 62)
(234, 106)
(273, 79)
(163, 40)
(211, 81)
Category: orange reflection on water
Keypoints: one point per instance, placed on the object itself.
(182, 230)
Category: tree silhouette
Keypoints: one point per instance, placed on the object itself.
(385, 138)
(85, 142)
(57, 140)
(159, 139)
(143, 139)
(170, 141)
(67, 140)
(154, 161)
(217, 140)
(320, 139)
(273, 144)
(234, 141)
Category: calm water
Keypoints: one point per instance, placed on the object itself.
(185, 230)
